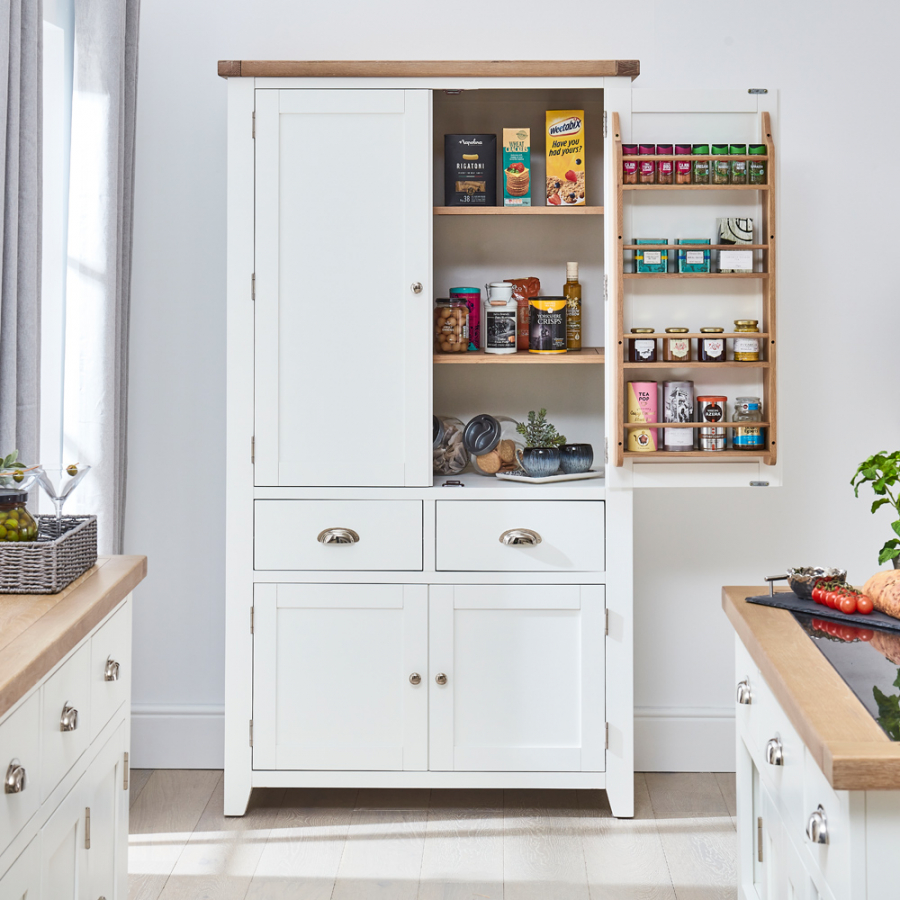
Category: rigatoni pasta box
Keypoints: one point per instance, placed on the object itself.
(565, 157)
(470, 169)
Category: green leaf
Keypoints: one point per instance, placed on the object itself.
(870, 474)
(877, 504)
(888, 712)
(897, 679)
(896, 527)
(891, 550)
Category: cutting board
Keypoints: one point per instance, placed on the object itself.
(789, 600)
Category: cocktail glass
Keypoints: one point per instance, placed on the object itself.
(58, 483)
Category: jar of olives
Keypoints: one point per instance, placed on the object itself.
(16, 523)
(451, 326)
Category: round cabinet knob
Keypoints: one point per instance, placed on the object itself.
(415, 678)
(416, 287)
(817, 827)
(523, 537)
(68, 721)
(775, 752)
(338, 536)
(743, 692)
(15, 778)
(111, 672)
(440, 678)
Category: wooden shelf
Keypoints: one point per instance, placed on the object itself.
(710, 455)
(738, 157)
(588, 355)
(633, 425)
(695, 187)
(695, 274)
(728, 364)
(695, 246)
(694, 334)
(518, 210)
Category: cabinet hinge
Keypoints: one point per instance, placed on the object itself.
(125, 779)
(606, 450)
(253, 287)
(759, 840)
(604, 123)
(606, 743)
(87, 828)
(251, 732)
(252, 451)
(605, 289)
(251, 619)
(254, 124)
(606, 628)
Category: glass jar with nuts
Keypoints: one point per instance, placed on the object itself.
(451, 326)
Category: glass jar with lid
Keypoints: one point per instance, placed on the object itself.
(721, 168)
(746, 349)
(738, 166)
(451, 326)
(676, 347)
(711, 347)
(16, 523)
(492, 442)
(747, 436)
(448, 452)
(642, 349)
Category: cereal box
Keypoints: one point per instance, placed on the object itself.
(517, 167)
(565, 157)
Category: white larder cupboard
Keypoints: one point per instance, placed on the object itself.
(382, 630)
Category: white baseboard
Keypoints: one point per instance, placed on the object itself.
(177, 737)
(673, 739)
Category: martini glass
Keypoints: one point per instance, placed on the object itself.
(58, 483)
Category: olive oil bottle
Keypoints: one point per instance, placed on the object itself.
(572, 293)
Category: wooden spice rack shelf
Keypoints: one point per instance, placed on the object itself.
(695, 275)
(518, 210)
(695, 247)
(738, 157)
(632, 425)
(587, 355)
(694, 187)
(696, 364)
(709, 455)
(693, 334)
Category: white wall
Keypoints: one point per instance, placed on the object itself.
(839, 321)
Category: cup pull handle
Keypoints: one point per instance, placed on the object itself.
(338, 536)
(520, 537)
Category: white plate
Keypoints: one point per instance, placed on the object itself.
(575, 476)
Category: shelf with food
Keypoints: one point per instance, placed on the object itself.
(589, 355)
(708, 275)
(695, 247)
(518, 210)
(649, 336)
(694, 187)
(737, 157)
(629, 425)
(728, 364)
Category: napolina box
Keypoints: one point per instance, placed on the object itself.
(470, 169)
(565, 157)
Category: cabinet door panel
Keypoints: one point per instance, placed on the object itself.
(63, 861)
(23, 880)
(343, 229)
(331, 677)
(525, 678)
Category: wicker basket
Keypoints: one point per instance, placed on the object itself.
(54, 560)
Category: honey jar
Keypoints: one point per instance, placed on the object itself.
(746, 349)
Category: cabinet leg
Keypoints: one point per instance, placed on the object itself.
(620, 794)
(237, 795)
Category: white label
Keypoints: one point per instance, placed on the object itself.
(746, 345)
(736, 260)
(713, 347)
(644, 349)
(678, 437)
(680, 347)
(694, 257)
(652, 257)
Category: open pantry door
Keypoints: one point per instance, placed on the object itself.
(692, 247)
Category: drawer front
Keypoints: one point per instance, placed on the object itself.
(286, 535)
(68, 687)
(110, 667)
(469, 535)
(20, 739)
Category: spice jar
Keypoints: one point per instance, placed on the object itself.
(449, 455)
(683, 166)
(492, 442)
(665, 168)
(738, 166)
(647, 166)
(451, 326)
(701, 166)
(750, 436)
(746, 349)
(712, 348)
(720, 168)
(16, 523)
(643, 349)
(629, 166)
(757, 166)
(677, 349)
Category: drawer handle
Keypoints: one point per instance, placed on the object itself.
(817, 827)
(440, 678)
(68, 721)
(775, 752)
(15, 778)
(338, 536)
(743, 692)
(415, 678)
(111, 672)
(521, 537)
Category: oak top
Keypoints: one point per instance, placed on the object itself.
(38, 630)
(849, 747)
(531, 68)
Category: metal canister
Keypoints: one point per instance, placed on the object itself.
(711, 409)
(678, 406)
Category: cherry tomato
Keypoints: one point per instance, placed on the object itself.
(864, 604)
(848, 633)
(818, 624)
(848, 604)
(866, 634)
(817, 594)
(832, 599)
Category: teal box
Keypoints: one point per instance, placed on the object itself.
(517, 167)
(690, 260)
(651, 260)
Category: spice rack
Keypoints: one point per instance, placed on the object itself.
(766, 367)
(518, 211)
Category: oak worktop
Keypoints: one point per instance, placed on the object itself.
(38, 630)
(846, 742)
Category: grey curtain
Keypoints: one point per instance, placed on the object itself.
(21, 43)
(101, 198)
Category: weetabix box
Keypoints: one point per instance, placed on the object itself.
(565, 157)
(517, 167)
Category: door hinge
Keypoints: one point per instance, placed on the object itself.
(254, 124)
(252, 450)
(87, 828)
(605, 289)
(251, 732)
(606, 450)
(251, 619)
(125, 780)
(253, 287)
(606, 743)
(759, 840)
(604, 123)
(606, 631)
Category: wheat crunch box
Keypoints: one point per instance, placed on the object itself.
(565, 157)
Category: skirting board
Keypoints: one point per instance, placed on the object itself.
(670, 739)
(177, 737)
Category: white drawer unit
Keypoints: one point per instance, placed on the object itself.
(520, 536)
(338, 535)
(23, 880)
(110, 668)
(20, 760)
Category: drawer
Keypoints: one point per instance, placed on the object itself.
(110, 668)
(20, 739)
(286, 535)
(68, 686)
(571, 531)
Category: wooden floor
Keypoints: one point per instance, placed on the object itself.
(431, 845)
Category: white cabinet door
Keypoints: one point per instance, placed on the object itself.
(332, 685)
(23, 879)
(63, 852)
(517, 678)
(343, 341)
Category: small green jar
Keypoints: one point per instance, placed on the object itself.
(738, 166)
(758, 167)
(720, 167)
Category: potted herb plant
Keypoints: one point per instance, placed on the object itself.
(540, 457)
(882, 471)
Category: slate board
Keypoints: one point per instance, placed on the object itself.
(789, 600)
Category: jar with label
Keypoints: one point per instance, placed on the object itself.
(738, 166)
(721, 170)
(629, 166)
(642, 349)
(665, 168)
(498, 323)
(701, 166)
(451, 326)
(676, 348)
(749, 436)
(757, 166)
(746, 349)
(647, 166)
(683, 166)
(711, 348)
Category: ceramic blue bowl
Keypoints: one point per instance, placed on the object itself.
(539, 462)
(575, 458)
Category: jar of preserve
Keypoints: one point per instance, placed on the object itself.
(746, 349)
(747, 436)
(677, 348)
(448, 452)
(665, 168)
(712, 348)
(451, 326)
(642, 349)
(16, 523)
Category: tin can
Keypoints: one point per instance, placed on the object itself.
(678, 406)
(642, 408)
(711, 409)
(471, 296)
(547, 332)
